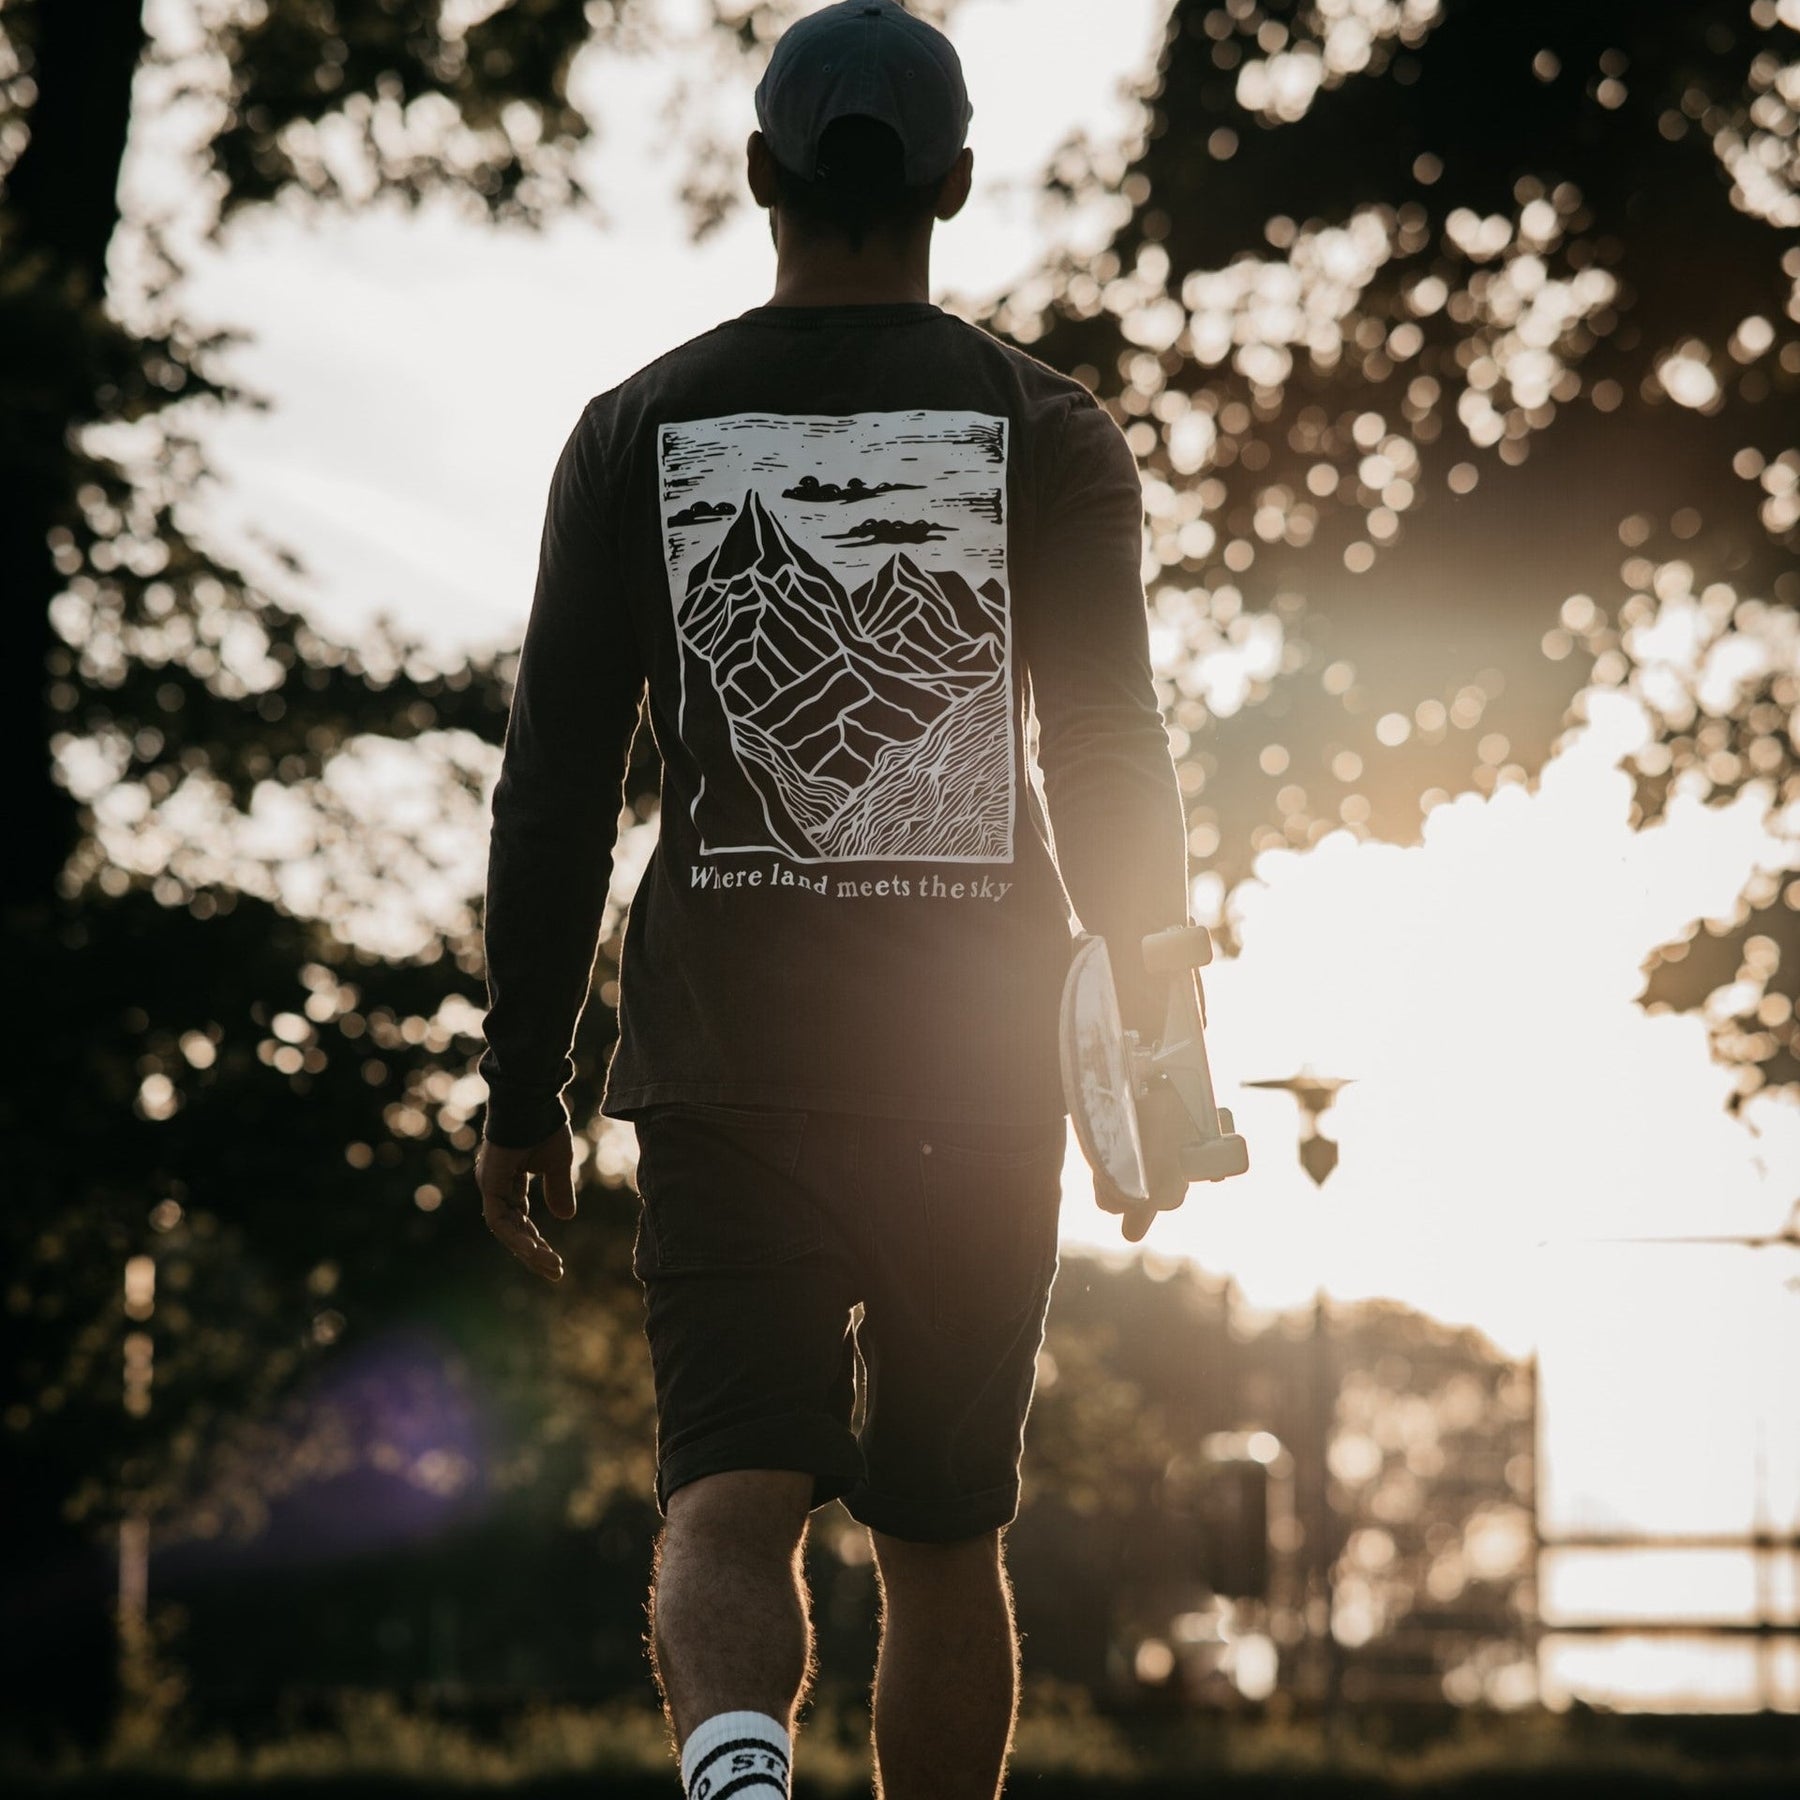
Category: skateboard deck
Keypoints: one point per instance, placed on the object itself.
(1096, 1071)
(1144, 1114)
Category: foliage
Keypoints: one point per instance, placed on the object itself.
(245, 1128)
(1417, 315)
(1391, 1461)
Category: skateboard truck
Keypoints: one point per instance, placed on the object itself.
(1145, 1115)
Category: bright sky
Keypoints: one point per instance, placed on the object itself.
(1511, 1097)
(427, 372)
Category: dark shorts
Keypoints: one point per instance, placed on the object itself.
(761, 1230)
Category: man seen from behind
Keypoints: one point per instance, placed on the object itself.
(856, 552)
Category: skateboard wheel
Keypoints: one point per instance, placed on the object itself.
(1180, 947)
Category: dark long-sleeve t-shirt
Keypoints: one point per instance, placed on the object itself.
(853, 554)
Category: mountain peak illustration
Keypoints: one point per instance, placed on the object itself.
(838, 703)
(755, 539)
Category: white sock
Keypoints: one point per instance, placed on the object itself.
(737, 1754)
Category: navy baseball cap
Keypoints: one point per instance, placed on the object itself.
(871, 57)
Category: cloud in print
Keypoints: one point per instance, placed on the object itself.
(810, 487)
(891, 531)
(704, 512)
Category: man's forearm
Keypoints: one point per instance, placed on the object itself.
(556, 806)
(1109, 780)
(1121, 845)
(545, 900)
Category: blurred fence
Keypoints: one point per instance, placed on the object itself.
(1669, 1501)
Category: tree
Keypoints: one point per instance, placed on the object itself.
(1367, 1461)
(221, 1085)
(1457, 342)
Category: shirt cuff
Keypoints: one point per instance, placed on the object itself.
(520, 1119)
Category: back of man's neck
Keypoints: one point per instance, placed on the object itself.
(842, 278)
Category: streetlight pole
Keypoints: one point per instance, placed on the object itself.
(1314, 1095)
(134, 1528)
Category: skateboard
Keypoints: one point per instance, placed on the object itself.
(1144, 1115)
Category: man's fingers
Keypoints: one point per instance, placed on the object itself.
(1136, 1222)
(1110, 1198)
(508, 1220)
(558, 1177)
(1135, 1215)
(523, 1241)
(1106, 1196)
(503, 1175)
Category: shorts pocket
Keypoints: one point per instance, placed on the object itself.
(991, 1206)
(718, 1191)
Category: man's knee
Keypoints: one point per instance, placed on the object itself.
(958, 1565)
(764, 1508)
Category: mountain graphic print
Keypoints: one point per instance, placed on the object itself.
(841, 607)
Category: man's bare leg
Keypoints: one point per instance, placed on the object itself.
(947, 1677)
(729, 1624)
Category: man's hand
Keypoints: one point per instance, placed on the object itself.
(502, 1176)
(1162, 1118)
(1136, 1220)
(1137, 1215)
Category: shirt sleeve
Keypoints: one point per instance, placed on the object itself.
(1115, 807)
(556, 806)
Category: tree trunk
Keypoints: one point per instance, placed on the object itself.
(57, 216)
(61, 204)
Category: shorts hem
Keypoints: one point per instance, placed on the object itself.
(805, 1444)
(922, 1521)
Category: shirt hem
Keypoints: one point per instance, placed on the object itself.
(626, 1102)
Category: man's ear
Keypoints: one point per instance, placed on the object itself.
(953, 193)
(759, 169)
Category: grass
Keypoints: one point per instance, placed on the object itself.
(377, 1745)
